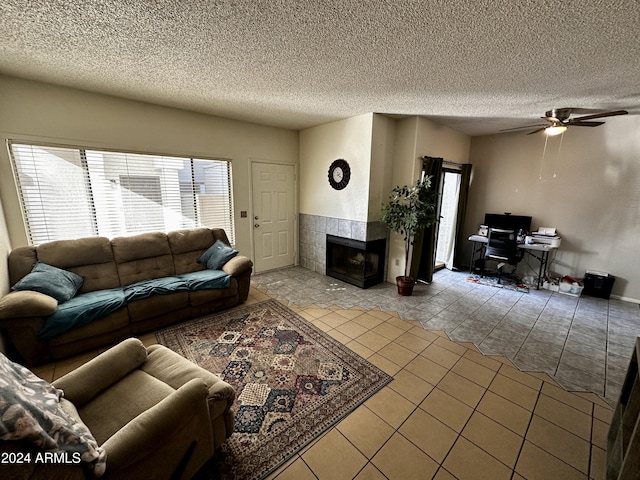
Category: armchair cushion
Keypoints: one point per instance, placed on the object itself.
(31, 410)
(53, 281)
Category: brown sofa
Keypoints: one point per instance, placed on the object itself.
(153, 413)
(109, 264)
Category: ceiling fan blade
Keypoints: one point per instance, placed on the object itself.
(538, 130)
(600, 115)
(580, 123)
(522, 128)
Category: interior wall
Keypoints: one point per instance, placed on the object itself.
(350, 140)
(586, 184)
(416, 137)
(43, 112)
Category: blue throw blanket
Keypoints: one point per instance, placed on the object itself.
(87, 307)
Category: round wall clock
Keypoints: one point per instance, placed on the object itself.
(339, 174)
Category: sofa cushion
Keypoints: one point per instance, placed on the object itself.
(30, 409)
(217, 255)
(81, 310)
(142, 257)
(187, 246)
(155, 286)
(55, 282)
(205, 279)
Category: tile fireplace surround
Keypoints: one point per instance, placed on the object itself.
(313, 230)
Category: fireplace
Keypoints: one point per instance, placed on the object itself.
(356, 262)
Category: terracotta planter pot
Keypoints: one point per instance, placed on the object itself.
(405, 285)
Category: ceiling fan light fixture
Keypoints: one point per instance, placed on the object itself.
(555, 130)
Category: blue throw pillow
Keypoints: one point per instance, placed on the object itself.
(53, 281)
(217, 255)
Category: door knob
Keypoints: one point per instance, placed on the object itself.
(256, 217)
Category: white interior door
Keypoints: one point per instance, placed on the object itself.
(273, 215)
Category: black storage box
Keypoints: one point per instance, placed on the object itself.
(598, 285)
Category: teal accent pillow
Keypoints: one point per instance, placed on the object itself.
(53, 281)
(217, 255)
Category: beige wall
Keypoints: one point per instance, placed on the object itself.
(37, 111)
(416, 137)
(588, 187)
(349, 139)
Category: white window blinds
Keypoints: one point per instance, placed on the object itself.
(75, 192)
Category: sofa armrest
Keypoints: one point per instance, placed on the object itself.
(86, 381)
(26, 303)
(158, 427)
(237, 265)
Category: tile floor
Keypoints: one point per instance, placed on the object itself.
(584, 343)
(450, 412)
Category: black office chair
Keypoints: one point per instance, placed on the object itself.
(502, 246)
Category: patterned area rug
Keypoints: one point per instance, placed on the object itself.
(493, 282)
(292, 381)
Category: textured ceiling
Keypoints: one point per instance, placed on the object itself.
(477, 66)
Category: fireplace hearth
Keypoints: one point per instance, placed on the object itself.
(356, 262)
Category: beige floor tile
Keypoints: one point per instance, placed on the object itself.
(429, 434)
(426, 369)
(339, 336)
(451, 346)
(397, 353)
(447, 409)
(389, 405)
(321, 325)
(65, 366)
(351, 329)
(345, 460)
(317, 312)
(568, 398)
(440, 355)
(599, 433)
(564, 416)
(405, 325)
(366, 430)
(459, 387)
(410, 386)
(388, 331)
(413, 342)
(505, 412)
(598, 468)
(485, 360)
(368, 320)
(493, 438)
(442, 474)
(419, 331)
(515, 391)
(379, 314)
(603, 413)
(536, 464)
(566, 446)
(473, 371)
(520, 376)
(350, 313)
(468, 461)
(400, 459)
(364, 352)
(370, 472)
(384, 364)
(307, 316)
(148, 339)
(298, 470)
(333, 319)
(373, 340)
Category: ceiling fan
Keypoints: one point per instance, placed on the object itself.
(558, 119)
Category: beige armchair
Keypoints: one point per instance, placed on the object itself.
(156, 414)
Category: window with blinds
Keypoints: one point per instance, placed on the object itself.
(68, 192)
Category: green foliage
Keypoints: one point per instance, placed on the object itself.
(410, 210)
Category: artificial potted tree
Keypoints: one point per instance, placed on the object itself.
(408, 211)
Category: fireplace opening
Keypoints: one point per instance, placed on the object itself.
(356, 262)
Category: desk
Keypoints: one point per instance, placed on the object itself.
(536, 250)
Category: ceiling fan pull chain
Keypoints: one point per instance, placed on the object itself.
(557, 155)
